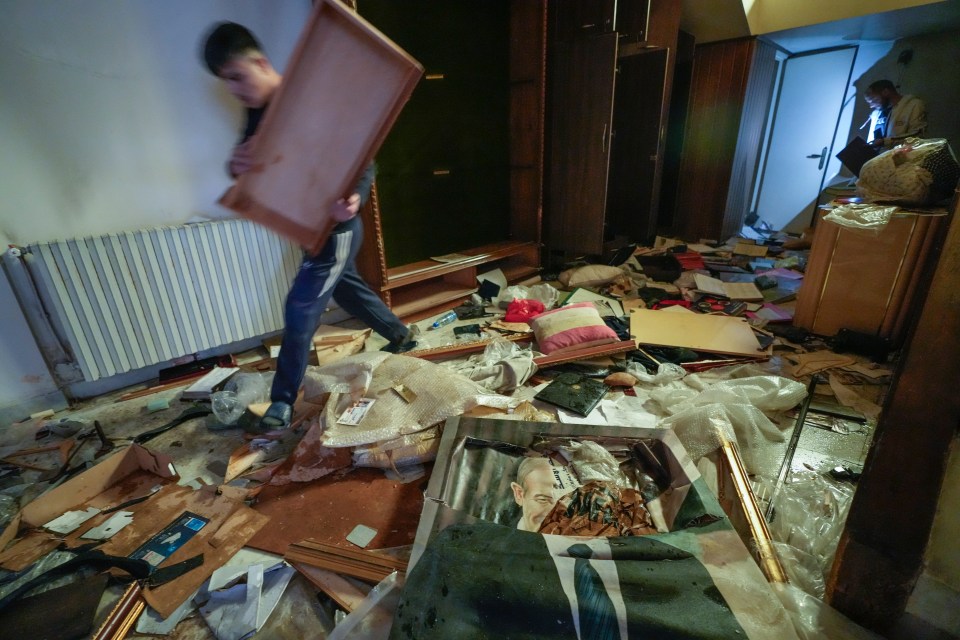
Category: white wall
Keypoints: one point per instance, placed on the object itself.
(930, 75)
(110, 122)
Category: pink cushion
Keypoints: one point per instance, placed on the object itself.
(574, 326)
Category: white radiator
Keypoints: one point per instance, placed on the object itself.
(124, 301)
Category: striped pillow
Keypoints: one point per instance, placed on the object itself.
(572, 327)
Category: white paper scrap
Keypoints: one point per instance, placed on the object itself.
(239, 611)
(70, 520)
(361, 535)
(355, 412)
(110, 526)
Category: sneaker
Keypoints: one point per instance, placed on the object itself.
(276, 417)
(408, 342)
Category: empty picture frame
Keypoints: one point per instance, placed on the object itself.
(341, 93)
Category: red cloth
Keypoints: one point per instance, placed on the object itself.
(523, 310)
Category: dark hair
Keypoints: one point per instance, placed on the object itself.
(225, 41)
(880, 85)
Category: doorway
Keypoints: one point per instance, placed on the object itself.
(806, 112)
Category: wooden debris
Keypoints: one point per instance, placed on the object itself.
(366, 565)
(337, 587)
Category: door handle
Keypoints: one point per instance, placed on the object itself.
(822, 156)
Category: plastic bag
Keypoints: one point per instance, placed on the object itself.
(918, 171)
(373, 618)
(543, 292)
(863, 217)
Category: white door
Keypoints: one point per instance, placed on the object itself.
(812, 92)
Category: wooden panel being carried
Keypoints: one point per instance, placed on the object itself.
(321, 132)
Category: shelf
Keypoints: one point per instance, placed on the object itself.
(429, 269)
(426, 297)
(425, 288)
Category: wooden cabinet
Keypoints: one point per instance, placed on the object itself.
(461, 171)
(609, 100)
(574, 19)
(855, 280)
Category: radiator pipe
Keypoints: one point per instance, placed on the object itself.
(53, 349)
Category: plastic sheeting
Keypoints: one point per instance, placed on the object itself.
(373, 618)
(809, 514)
(862, 217)
(734, 409)
(503, 366)
(439, 393)
(917, 171)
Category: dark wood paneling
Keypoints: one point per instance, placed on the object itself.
(881, 551)
(753, 121)
(527, 96)
(676, 129)
(633, 161)
(580, 18)
(717, 92)
(583, 83)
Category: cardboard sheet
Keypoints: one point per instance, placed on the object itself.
(329, 508)
(130, 472)
(231, 525)
(700, 332)
(317, 137)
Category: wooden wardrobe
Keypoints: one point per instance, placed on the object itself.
(610, 70)
(461, 171)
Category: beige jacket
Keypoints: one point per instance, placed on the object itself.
(907, 120)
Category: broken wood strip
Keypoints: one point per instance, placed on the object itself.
(365, 565)
(43, 449)
(370, 573)
(360, 555)
(123, 615)
(337, 587)
(454, 350)
(24, 465)
(610, 349)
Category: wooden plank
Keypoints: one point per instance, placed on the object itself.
(455, 350)
(584, 354)
(337, 587)
(317, 137)
(356, 563)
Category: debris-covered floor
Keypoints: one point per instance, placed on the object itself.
(296, 527)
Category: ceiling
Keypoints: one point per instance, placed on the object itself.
(714, 20)
(887, 26)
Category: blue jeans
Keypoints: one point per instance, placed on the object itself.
(331, 273)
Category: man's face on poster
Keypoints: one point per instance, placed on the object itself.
(535, 497)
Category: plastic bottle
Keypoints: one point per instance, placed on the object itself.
(446, 318)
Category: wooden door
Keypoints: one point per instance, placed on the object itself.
(582, 85)
(574, 19)
(638, 130)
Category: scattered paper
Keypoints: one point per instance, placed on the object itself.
(404, 392)
(361, 535)
(110, 526)
(355, 412)
(70, 521)
(746, 249)
(240, 610)
(451, 257)
(495, 276)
